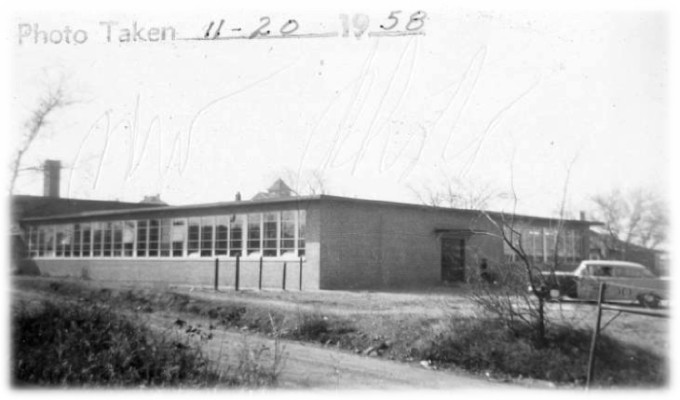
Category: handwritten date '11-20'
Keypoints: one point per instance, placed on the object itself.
(351, 25)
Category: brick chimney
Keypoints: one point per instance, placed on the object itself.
(51, 177)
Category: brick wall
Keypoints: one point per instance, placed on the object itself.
(199, 272)
(370, 245)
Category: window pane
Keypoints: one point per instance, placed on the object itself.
(254, 221)
(87, 239)
(562, 246)
(194, 236)
(302, 222)
(50, 238)
(97, 239)
(154, 237)
(527, 242)
(178, 237)
(45, 240)
(117, 238)
(75, 247)
(236, 235)
(61, 239)
(41, 240)
(33, 241)
(48, 241)
(536, 239)
(221, 235)
(142, 232)
(108, 239)
(166, 234)
(128, 238)
(68, 240)
(288, 233)
(207, 236)
(578, 252)
(550, 236)
(270, 232)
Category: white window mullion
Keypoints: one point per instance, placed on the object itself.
(148, 235)
(228, 222)
(135, 238)
(261, 234)
(296, 234)
(214, 239)
(185, 239)
(278, 233)
(244, 234)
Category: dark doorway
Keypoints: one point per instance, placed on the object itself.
(453, 259)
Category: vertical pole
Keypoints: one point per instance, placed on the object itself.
(259, 280)
(238, 272)
(596, 333)
(283, 280)
(217, 271)
(300, 273)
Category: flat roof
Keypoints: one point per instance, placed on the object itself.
(158, 208)
(282, 201)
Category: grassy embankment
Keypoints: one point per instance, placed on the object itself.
(460, 339)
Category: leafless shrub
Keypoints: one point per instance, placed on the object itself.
(505, 295)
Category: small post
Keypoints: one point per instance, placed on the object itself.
(217, 271)
(238, 272)
(596, 333)
(283, 280)
(259, 280)
(300, 273)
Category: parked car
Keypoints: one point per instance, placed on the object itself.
(626, 281)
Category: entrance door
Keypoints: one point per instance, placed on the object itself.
(453, 259)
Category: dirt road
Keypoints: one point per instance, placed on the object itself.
(313, 366)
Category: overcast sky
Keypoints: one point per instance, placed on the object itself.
(489, 97)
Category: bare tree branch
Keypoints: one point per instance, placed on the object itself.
(637, 217)
(304, 183)
(54, 99)
(457, 193)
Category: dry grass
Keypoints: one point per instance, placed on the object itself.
(87, 344)
(403, 325)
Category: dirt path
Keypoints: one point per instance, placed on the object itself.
(312, 366)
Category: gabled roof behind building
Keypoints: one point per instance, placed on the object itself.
(277, 190)
(24, 206)
(153, 199)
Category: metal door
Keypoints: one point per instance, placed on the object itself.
(453, 259)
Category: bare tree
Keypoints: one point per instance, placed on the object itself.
(637, 217)
(523, 287)
(54, 99)
(457, 193)
(519, 298)
(306, 182)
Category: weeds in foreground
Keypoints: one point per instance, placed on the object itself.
(489, 346)
(89, 345)
(261, 365)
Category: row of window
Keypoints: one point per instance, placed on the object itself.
(539, 245)
(271, 234)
